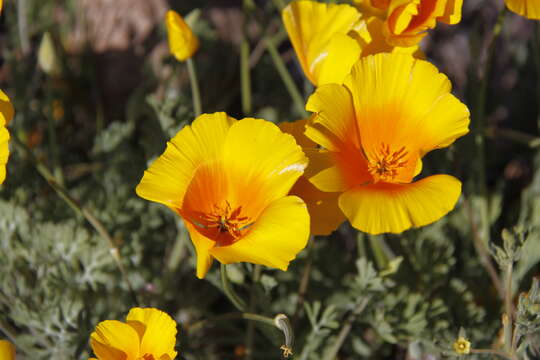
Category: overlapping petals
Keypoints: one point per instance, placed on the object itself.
(229, 181)
(390, 112)
(148, 333)
(528, 8)
(318, 33)
(182, 42)
(408, 20)
(323, 208)
(6, 114)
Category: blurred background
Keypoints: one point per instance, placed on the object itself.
(97, 95)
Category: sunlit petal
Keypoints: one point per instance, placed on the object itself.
(160, 331)
(281, 231)
(167, 179)
(312, 27)
(115, 340)
(385, 207)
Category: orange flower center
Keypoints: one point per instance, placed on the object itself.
(385, 164)
(147, 357)
(228, 224)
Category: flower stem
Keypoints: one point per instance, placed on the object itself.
(195, 92)
(291, 87)
(231, 316)
(77, 207)
(345, 330)
(508, 320)
(229, 292)
(245, 77)
(250, 332)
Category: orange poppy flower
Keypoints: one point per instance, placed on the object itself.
(324, 212)
(528, 8)
(6, 114)
(229, 181)
(407, 21)
(390, 112)
(148, 333)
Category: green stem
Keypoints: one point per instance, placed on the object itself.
(250, 332)
(291, 87)
(508, 321)
(345, 330)
(195, 92)
(519, 137)
(229, 292)
(231, 316)
(78, 208)
(492, 352)
(380, 256)
(245, 77)
(304, 282)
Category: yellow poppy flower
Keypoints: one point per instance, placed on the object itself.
(229, 181)
(318, 33)
(528, 8)
(6, 114)
(7, 350)
(390, 112)
(324, 212)
(148, 333)
(407, 21)
(182, 42)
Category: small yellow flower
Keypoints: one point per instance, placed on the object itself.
(6, 114)
(318, 33)
(376, 127)
(528, 8)
(182, 42)
(7, 350)
(147, 334)
(462, 346)
(229, 180)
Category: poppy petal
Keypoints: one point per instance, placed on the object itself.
(115, 340)
(280, 232)
(384, 207)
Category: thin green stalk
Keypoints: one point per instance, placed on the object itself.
(250, 332)
(304, 282)
(231, 316)
(229, 292)
(536, 57)
(345, 330)
(519, 137)
(78, 208)
(491, 352)
(478, 119)
(286, 77)
(380, 256)
(508, 323)
(195, 92)
(245, 77)
(53, 147)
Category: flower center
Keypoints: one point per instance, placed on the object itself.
(147, 357)
(228, 224)
(385, 164)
